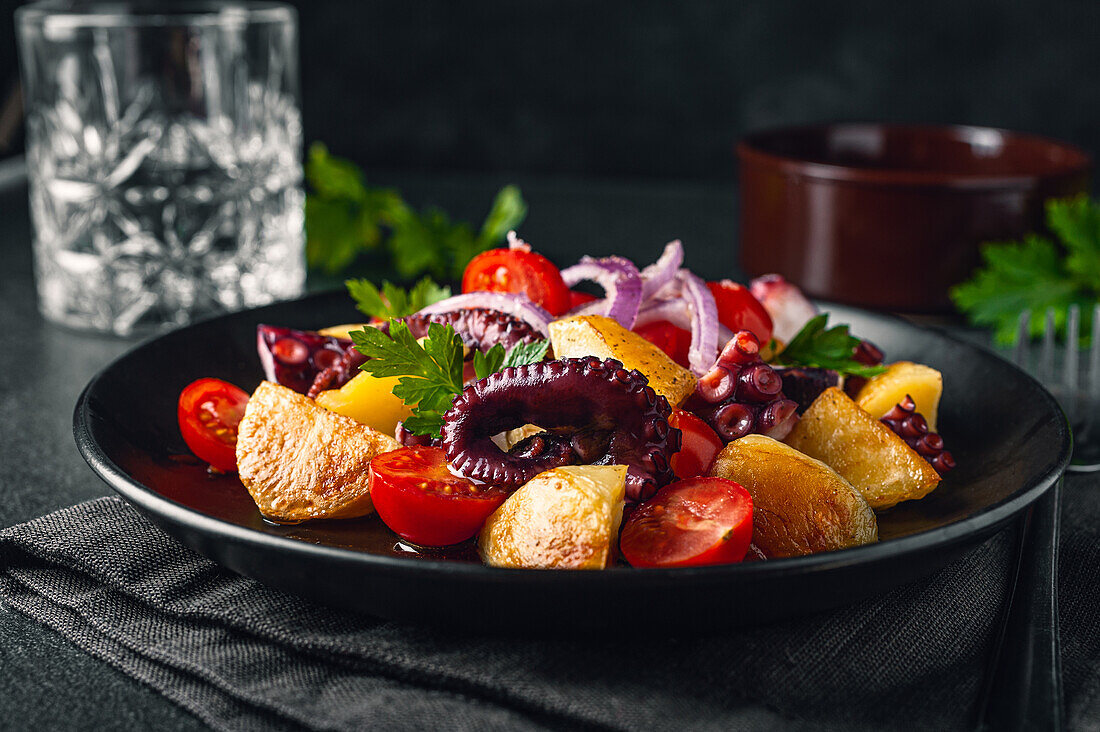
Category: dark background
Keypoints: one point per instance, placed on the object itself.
(657, 89)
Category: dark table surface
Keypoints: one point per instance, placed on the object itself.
(47, 683)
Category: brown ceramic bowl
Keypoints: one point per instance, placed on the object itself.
(890, 216)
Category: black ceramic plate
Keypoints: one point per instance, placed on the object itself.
(1008, 435)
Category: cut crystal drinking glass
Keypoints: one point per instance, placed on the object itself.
(164, 160)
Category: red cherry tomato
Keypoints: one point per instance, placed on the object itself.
(672, 339)
(576, 299)
(690, 523)
(698, 447)
(209, 412)
(516, 270)
(739, 310)
(424, 502)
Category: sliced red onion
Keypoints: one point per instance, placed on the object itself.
(621, 283)
(663, 271)
(789, 308)
(512, 303)
(704, 322)
(676, 311)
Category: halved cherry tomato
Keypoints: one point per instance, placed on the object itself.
(739, 310)
(424, 502)
(690, 523)
(209, 412)
(698, 446)
(516, 270)
(576, 299)
(672, 339)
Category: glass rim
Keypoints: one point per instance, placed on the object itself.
(137, 14)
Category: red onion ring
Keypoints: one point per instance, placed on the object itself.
(677, 312)
(704, 322)
(621, 282)
(512, 303)
(663, 271)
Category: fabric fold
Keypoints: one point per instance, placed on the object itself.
(242, 656)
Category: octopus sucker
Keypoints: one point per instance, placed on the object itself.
(593, 411)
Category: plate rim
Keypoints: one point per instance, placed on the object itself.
(980, 524)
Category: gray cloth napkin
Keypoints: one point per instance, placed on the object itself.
(241, 656)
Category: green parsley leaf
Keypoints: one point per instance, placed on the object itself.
(1076, 221)
(346, 217)
(507, 213)
(430, 370)
(1038, 274)
(425, 293)
(1029, 275)
(817, 347)
(424, 423)
(392, 301)
(489, 362)
(525, 353)
(521, 354)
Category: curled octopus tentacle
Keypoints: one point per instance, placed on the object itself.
(594, 411)
(479, 328)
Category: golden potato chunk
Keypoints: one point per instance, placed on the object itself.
(300, 461)
(507, 440)
(879, 395)
(865, 451)
(342, 331)
(565, 518)
(800, 505)
(595, 335)
(367, 399)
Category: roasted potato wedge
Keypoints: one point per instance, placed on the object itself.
(342, 331)
(879, 395)
(836, 431)
(367, 399)
(800, 505)
(507, 440)
(300, 461)
(565, 518)
(595, 335)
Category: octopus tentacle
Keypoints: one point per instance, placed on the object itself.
(595, 411)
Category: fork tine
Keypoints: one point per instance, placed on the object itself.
(1092, 378)
(1073, 339)
(1023, 340)
(1045, 371)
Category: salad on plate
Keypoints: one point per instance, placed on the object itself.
(583, 418)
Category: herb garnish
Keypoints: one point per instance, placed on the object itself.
(345, 217)
(816, 347)
(495, 359)
(430, 370)
(393, 301)
(1038, 273)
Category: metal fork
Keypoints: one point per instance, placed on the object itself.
(1075, 383)
(1024, 690)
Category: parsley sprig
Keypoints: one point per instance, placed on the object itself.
(430, 369)
(1038, 273)
(345, 217)
(393, 301)
(832, 348)
(495, 359)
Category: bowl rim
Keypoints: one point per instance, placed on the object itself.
(163, 509)
(750, 149)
